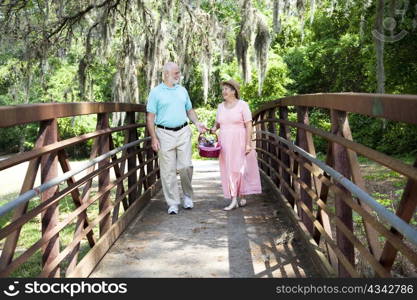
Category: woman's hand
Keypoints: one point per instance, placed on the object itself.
(213, 130)
(201, 127)
(248, 149)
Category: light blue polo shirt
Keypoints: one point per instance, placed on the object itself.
(170, 105)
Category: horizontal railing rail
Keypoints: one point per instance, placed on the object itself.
(57, 180)
(393, 220)
(324, 196)
(329, 198)
(71, 223)
(392, 107)
(28, 113)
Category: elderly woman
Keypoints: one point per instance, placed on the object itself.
(238, 164)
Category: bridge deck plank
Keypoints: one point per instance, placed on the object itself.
(255, 241)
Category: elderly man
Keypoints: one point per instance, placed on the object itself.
(168, 108)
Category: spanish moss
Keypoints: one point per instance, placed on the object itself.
(262, 42)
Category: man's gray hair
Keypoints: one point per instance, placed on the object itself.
(168, 66)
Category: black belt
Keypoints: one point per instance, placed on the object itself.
(173, 129)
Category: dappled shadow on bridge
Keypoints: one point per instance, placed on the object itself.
(254, 241)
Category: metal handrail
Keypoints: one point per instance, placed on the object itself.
(25, 197)
(400, 108)
(404, 228)
(27, 113)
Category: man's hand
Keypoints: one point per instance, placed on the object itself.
(155, 144)
(201, 127)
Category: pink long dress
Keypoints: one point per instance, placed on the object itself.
(239, 172)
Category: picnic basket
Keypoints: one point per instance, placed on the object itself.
(208, 148)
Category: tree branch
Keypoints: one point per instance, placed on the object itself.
(71, 20)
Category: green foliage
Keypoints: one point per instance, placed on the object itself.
(61, 84)
(335, 53)
(14, 139)
(118, 138)
(401, 56)
(207, 116)
(320, 119)
(229, 70)
(194, 88)
(326, 66)
(274, 84)
(71, 127)
(7, 76)
(103, 77)
(335, 57)
(225, 9)
(384, 200)
(398, 138)
(389, 137)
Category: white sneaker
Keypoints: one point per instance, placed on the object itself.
(188, 202)
(173, 210)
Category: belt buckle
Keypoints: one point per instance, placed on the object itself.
(180, 127)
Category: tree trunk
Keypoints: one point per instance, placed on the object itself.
(379, 47)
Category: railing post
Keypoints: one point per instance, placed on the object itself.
(119, 171)
(284, 132)
(305, 175)
(11, 241)
(158, 173)
(104, 176)
(258, 136)
(82, 220)
(149, 153)
(405, 211)
(322, 216)
(272, 148)
(264, 144)
(343, 211)
(50, 217)
(143, 182)
(371, 233)
(131, 162)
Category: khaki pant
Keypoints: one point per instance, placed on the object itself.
(175, 154)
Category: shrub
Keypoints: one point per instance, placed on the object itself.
(206, 116)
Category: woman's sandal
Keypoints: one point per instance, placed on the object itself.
(234, 204)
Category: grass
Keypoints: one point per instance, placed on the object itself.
(386, 187)
(387, 175)
(31, 232)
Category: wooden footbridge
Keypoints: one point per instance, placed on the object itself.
(76, 219)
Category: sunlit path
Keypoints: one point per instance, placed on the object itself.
(254, 241)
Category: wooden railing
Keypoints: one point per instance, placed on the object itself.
(317, 200)
(326, 222)
(70, 244)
